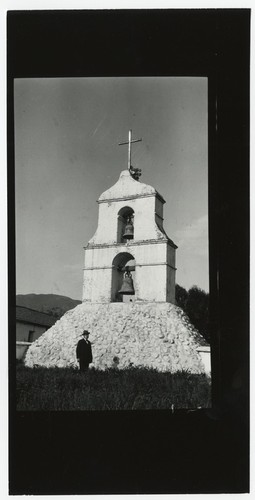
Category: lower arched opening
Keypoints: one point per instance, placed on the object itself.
(122, 262)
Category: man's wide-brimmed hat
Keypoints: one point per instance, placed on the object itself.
(85, 332)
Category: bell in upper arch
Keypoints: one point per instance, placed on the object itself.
(127, 284)
(129, 230)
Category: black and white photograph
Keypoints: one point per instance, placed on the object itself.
(141, 292)
(128, 251)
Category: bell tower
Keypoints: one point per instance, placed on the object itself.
(130, 258)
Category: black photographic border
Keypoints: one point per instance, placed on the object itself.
(205, 451)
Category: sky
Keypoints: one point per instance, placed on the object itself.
(67, 132)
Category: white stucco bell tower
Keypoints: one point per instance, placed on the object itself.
(150, 253)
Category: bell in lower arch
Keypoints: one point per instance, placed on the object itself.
(129, 230)
(127, 284)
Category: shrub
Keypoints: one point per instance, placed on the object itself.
(195, 303)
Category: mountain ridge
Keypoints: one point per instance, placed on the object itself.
(49, 303)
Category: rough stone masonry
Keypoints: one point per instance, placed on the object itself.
(153, 335)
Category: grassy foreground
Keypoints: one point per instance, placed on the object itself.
(131, 389)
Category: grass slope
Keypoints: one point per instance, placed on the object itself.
(131, 389)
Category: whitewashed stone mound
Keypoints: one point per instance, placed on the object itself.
(153, 335)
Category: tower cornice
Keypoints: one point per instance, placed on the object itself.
(130, 244)
(132, 197)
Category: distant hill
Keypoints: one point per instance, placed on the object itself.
(53, 304)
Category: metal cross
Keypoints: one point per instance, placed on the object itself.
(129, 146)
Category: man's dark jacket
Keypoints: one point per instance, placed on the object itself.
(83, 351)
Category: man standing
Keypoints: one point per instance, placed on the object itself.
(84, 352)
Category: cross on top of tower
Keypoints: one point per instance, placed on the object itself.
(135, 172)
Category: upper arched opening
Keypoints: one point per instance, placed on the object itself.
(125, 229)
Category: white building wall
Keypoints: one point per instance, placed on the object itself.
(22, 335)
(145, 226)
(151, 252)
(153, 278)
(97, 285)
(159, 206)
(23, 329)
(171, 256)
(21, 349)
(151, 283)
(205, 354)
(171, 271)
(170, 284)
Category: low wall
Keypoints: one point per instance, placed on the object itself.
(205, 353)
(21, 349)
